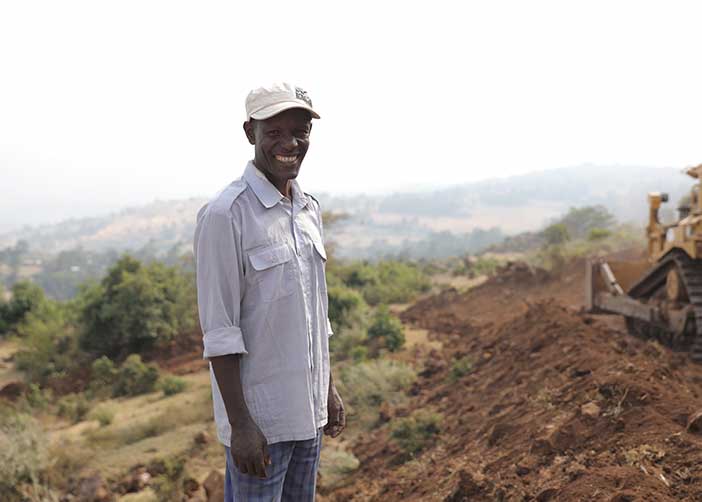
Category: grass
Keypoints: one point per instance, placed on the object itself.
(144, 427)
(416, 432)
(367, 385)
(336, 463)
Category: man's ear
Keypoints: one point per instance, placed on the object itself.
(249, 131)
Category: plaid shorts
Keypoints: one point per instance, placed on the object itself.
(292, 475)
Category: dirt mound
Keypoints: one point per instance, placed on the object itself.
(558, 405)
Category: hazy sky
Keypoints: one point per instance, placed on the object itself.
(109, 104)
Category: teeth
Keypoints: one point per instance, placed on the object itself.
(281, 158)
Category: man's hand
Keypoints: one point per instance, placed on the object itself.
(336, 413)
(250, 449)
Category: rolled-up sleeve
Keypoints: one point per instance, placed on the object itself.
(220, 282)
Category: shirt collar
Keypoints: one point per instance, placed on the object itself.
(266, 192)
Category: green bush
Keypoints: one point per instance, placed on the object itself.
(598, 234)
(169, 485)
(36, 397)
(366, 385)
(48, 346)
(460, 368)
(346, 307)
(135, 377)
(26, 297)
(344, 344)
(73, 407)
(388, 281)
(171, 385)
(104, 414)
(387, 329)
(102, 377)
(135, 308)
(23, 453)
(415, 432)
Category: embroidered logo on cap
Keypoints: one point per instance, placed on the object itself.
(302, 94)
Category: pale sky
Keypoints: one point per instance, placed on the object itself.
(110, 104)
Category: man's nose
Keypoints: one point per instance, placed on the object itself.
(289, 143)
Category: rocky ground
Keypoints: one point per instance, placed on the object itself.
(558, 404)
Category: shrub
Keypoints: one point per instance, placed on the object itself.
(345, 307)
(598, 234)
(365, 386)
(134, 377)
(387, 329)
(460, 368)
(23, 453)
(414, 433)
(169, 485)
(103, 376)
(348, 344)
(73, 407)
(26, 298)
(397, 282)
(104, 414)
(171, 385)
(36, 397)
(48, 345)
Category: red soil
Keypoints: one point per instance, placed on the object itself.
(560, 405)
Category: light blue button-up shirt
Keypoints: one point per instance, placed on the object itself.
(262, 293)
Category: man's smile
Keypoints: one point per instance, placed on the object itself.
(286, 159)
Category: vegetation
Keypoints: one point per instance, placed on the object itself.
(134, 307)
(23, 454)
(134, 377)
(171, 385)
(460, 367)
(386, 330)
(168, 486)
(385, 282)
(417, 431)
(368, 384)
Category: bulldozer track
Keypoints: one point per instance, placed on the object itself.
(690, 272)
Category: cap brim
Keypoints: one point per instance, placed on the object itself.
(269, 111)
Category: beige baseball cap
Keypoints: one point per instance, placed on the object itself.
(264, 102)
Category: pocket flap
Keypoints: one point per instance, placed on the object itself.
(320, 249)
(270, 256)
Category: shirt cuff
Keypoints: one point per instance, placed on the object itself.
(330, 331)
(223, 341)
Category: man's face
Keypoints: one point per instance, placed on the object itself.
(281, 143)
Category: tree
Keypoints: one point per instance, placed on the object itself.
(556, 234)
(26, 297)
(135, 307)
(579, 221)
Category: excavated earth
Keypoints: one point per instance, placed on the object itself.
(560, 405)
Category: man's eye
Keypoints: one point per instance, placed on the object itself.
(274, 133)
(302, 134)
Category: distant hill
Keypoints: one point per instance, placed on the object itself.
(471, 215)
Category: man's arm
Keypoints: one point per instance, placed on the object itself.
(249, 446)
(220, 283)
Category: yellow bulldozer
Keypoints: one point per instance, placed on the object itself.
(660, 296)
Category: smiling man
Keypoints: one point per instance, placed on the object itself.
(262, 298)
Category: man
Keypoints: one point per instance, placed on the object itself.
(262, 298)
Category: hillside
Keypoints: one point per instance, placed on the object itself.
(463, 218)
(553, 405)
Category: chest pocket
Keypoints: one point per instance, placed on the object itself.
(273, 272)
